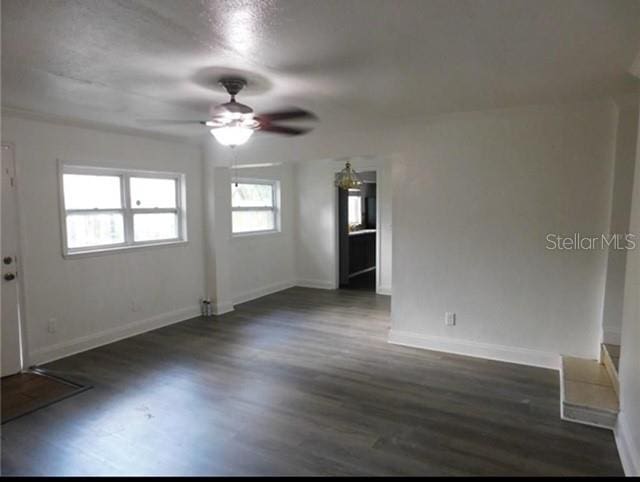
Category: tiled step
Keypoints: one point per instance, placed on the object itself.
(610, 357)
(587, 393)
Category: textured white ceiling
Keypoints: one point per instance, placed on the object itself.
(370, 61)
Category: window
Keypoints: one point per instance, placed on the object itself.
(108, 209)
(355, 207)
(254, 206)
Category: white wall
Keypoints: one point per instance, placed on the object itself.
(314, 205)
(91, 297)
(473, 199)
(316, 236)
(316, 249)
(621, 191)
(474, 196)
(240, 268)
(264, 263)
(628, 428)
(217, 226)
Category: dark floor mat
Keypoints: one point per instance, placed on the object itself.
(29, 391)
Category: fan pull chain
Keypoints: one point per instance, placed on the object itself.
(234, 165)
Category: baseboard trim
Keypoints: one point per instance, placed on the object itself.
(384, 290)
(94, 340)
(319, 284)
(222, 307)
(510, 354)
(629, 453)
(585, 416)
(264, 291)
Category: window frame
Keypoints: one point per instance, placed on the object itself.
(275, 193)
(126, 209)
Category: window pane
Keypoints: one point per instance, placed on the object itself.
(247, 221)
(155, 226)
(85, 230)
(149, 192)
(355, 210)
(251, 195)
(91, 192)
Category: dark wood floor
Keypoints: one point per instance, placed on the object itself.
(300, 382)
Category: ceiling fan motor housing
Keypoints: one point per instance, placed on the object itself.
(233, 85)
(231, 107)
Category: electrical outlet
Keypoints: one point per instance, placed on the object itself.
(450, 318)
(52, 326)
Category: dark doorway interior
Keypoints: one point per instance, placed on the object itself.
(357, 226)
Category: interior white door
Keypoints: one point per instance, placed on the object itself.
(9, 301)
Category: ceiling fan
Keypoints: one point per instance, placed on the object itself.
(233, 123)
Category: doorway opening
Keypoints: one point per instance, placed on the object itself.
(357, 228)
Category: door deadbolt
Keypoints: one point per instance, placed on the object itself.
(9, 277)
(7, 260)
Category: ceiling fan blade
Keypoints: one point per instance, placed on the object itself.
(288, 131)
(163, 122)
(293, 113)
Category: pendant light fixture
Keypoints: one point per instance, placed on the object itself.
(348, 178)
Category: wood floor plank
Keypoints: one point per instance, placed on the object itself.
(300, 382)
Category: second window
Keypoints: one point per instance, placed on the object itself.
(254, 206)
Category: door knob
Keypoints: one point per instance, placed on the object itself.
(9, 277)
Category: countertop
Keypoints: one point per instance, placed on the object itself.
(362, 231)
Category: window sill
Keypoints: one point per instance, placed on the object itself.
(121, 249)
(255, 234)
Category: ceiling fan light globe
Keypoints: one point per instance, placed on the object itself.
(232, 135)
